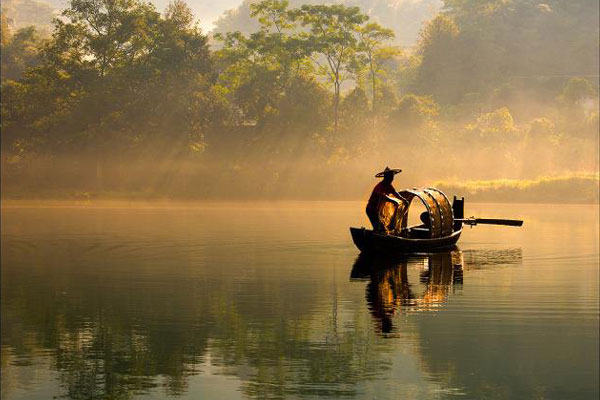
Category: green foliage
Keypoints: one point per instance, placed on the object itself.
(5, 30)
(259, 69)
(474, 47)
(272, 14)
(20, 50)
(304, 97)
(355, 109)
(336, 39)
(414, 111)
(332, 35)
(439, 71)
(498, 125)
(116, 75)
(386, 101)
(373, 54)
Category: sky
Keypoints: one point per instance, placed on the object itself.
(210, 10)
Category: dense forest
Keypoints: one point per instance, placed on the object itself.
(308, 101)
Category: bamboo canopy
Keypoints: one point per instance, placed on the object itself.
(441, 219)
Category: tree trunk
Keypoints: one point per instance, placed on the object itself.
(99, 173)
(336, 103)
(374, 88)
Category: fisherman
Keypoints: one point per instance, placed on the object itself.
(383, 191)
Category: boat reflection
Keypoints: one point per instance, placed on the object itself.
(388, 289)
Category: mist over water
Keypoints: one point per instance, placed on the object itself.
(266, 300)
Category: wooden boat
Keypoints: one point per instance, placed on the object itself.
(442, 230)
(369, 241)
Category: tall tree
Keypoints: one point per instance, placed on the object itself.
(258, 69)
(332, 35)
(373, 54)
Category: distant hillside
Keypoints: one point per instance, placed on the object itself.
(22, 13)
(205, 11)
(405, 17)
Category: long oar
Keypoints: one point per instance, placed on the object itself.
(490, 221)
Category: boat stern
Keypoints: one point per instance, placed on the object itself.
(359, 236)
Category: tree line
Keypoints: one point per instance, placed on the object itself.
(122, 97)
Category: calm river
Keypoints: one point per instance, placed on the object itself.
(271, 301)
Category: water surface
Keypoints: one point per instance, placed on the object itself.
(269, 300)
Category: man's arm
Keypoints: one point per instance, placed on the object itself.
(402, 199)
(396, 198)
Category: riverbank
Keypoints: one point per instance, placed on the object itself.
(571, 189)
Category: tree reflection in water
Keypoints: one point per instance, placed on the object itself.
(110, 336)
(389, 292)
(132, 315)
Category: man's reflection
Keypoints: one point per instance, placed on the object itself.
(389, 291)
